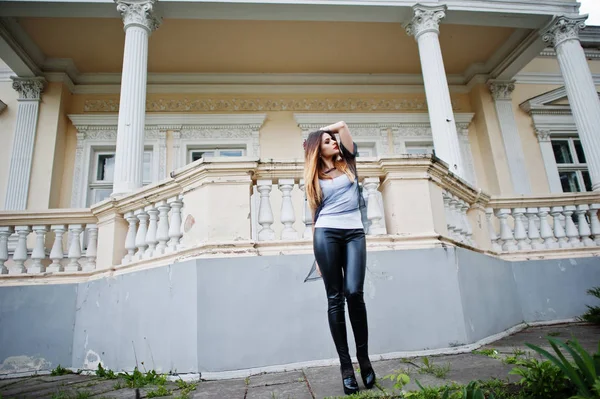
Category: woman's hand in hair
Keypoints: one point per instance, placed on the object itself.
(342, 129)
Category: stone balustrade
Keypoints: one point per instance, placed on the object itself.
(254, 206)
(291, 219)
(53, 241)
(153, 230)
(544, 223)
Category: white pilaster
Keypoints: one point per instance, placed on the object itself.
(17, 190)
(501, 92)
(549, 161)
(466, 154)
(563, 33)
(425, 28)
(140, 21)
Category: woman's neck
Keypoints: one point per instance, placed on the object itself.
(328, 163)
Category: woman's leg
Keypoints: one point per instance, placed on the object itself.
(355, 269)
(329, 252)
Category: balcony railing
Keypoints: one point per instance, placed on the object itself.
(223, 207)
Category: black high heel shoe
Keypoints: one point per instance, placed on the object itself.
(368, 377)
(349, 382)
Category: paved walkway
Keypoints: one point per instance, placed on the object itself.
(310, 383)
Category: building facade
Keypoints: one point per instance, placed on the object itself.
(151, 175)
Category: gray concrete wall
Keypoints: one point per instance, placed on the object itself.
(489, 295)
(555, 289)
(149, 316)
(236, 313)
(36, 327)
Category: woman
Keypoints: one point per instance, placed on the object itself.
(339, 242)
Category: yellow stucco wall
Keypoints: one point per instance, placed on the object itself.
(47, 152)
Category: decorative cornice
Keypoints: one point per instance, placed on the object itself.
(425, 19)
(540, 78)
(591, 54)
(138, 13)
(501, 90)
(28, 88)
(562, 29)
(266, 104)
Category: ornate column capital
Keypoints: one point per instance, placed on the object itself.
(139, 13)
(562, 29)
(29, 88)
(543, 136)
(425, 19)
(501, 89)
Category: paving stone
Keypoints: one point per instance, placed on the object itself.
(230, 389)
(40, 385)
(275, 378)
(291, 390)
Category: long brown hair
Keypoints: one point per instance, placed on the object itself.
(313, 167)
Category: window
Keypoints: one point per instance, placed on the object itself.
(196, 154)
(366, 150)
(419, 148)
(103, 171)
(571, 163)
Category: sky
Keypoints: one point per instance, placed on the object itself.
(591, 7)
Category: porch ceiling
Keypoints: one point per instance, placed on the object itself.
(236, 46)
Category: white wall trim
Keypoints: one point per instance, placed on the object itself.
(545, 78)
(101, 130)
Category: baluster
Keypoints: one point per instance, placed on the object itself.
(595, 222)
(130, 238)
(458, 228)
(265, 214)
(5, 232)
(151, 240)
(142, 231)
(506, 234)
(468, 230)
(175, 224)
(374, 211)
(489, 212)
(546, 232)
(583, 226)
(306, 213)
(449, 215)
(92, 247)
(20, 255)
(572, 232)
(288, 217)
(559, 231)
(39, 250)
(57, 254)
(533, 233)
(74, 248)
(162, 233)
(520, 233)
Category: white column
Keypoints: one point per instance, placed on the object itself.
(501, 92)
(549, 161)
(17, 190)
(425, 28)
(139, 21)
(563, 33)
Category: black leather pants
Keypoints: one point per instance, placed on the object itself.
(342, 257)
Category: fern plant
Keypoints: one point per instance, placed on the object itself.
(593, 313)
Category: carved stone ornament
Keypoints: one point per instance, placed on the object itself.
(138, 13)
(542, 135)
(501, 90)
(563, 29)
(262, 105)
(425, 19)
(28, 88)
